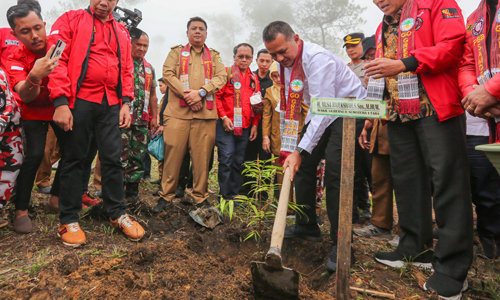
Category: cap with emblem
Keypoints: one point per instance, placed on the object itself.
(353, 38)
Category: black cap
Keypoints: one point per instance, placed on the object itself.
(368, 43)
(353, 38)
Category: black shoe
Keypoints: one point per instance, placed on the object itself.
(310, 233)
(160, 206)
(131, 189)
(331, 263)
(489, 248)
(396, 260)
(204, 204)
(179, 192)
(447, 288)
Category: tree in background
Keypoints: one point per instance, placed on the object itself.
(326, 22)
(226, 29)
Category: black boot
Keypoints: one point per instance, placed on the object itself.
(132, 192)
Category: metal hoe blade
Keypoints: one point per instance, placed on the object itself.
(273, 283)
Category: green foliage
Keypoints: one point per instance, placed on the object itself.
(256, 211)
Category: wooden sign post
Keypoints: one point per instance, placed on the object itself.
(349, 109)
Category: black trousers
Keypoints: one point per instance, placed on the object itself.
(34, 137)
(329, 147)
(101, 122)
(485, 186)
(427, 153)
(253, 152)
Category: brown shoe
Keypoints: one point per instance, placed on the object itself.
(23, 224)
(130, 227)
(72, 235)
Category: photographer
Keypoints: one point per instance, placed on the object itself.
(92, 88)
(29, 67)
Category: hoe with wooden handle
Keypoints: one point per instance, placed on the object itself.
(270, 279)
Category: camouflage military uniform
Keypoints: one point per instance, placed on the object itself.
(11, 144)
(134, 139)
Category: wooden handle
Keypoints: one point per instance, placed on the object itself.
(280, 219)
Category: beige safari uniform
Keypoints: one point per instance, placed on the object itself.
(184, 129)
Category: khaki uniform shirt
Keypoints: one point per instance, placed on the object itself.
(171, 73)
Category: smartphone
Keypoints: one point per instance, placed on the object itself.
(58, 51)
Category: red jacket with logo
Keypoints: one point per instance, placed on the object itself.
(225, 99)
(439, 45)
(467, 76)
(75, 29)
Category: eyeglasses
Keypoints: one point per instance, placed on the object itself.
(242, 57)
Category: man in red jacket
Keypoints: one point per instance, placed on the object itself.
(479, 82)
(92, 88)
(479, 79)
(28, 69)
(237, 122)
(419, 44)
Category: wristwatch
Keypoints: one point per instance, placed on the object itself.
(202, 93)
(301, 151)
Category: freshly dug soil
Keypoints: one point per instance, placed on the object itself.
(182, 260)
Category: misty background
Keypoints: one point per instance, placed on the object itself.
(230, 22)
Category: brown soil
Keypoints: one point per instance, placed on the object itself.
(181, 260)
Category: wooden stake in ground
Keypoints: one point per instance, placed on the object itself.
(345, 209)
(350, 110)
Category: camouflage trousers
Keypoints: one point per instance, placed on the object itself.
(134, 148)
(11, 158)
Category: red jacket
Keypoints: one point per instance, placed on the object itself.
(439, 44)
(467, 75)
(75, 28)
(19, 64)
(225, 99)
(8, 43)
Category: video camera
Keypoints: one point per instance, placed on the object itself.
(131, 19)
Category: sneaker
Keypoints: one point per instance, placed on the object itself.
(446, 287)
(160, 206)
(394, 242)
(88, 200)
(130, 227)
(45, 190)
(309, 233)
(396, 260)
(72, 235)
(331, 262)
(23, 225)
(372, 231)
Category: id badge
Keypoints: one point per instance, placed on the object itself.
(290, 136)
(375, 89)
(185, 81)
(408, 86)
(238, 117)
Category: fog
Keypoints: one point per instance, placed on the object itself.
(165, 22)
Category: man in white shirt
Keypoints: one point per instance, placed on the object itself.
(312, 72)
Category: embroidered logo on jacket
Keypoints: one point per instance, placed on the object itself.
(450, 13)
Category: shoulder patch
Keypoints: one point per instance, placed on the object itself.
(177, 46)
(215, 51)
(450, 13)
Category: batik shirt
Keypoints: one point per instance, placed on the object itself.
(140, 94)
(391, 36)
